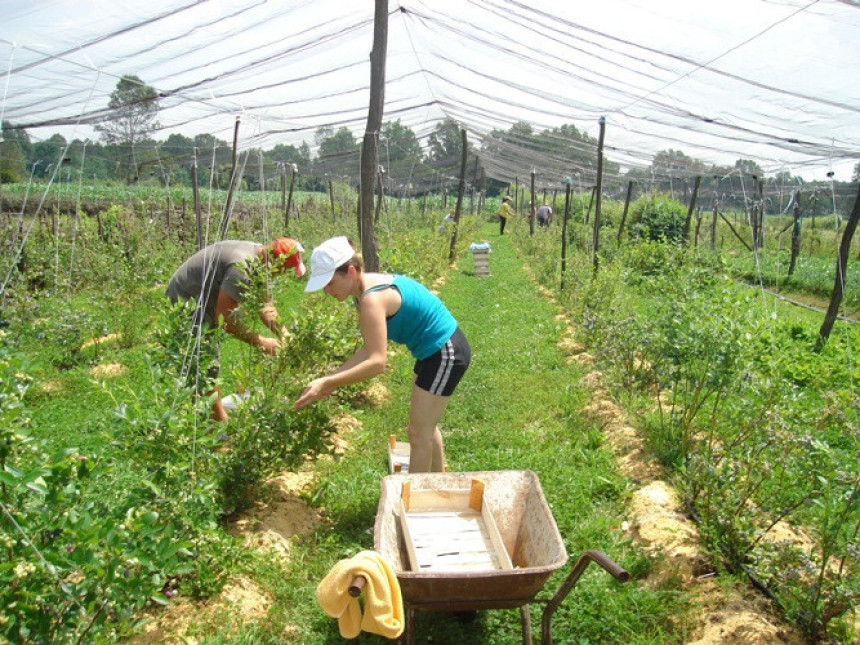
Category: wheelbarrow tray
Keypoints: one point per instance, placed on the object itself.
(525, 525)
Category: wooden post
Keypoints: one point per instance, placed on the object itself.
(690, 209)
(261, 178)
(714, 224)
(231, 191)
(195, 193)
(598, 189)
(474, 187)
(590, 204)
(698, 226)
(331, 199)
(841, 266)
(564, 219)
(760, 221)
(624, 212)
(532, 204)
(369, 152)
(516, 194)
(283, 169)
(795, 235)
(462, 189)
(293, 170)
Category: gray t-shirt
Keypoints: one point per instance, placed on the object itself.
(221, 265)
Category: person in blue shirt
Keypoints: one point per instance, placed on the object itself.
(398, 308)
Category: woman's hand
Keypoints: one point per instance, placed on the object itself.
(317, 390)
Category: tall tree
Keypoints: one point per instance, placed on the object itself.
(445, 145)
(337, 153)
(749, 168)
(15, 149)
(133, 107)
(399, 152)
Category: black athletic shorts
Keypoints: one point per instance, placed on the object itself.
(439, 373)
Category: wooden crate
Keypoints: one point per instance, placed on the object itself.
(481, 263)
(451, 530)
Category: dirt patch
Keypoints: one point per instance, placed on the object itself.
(101, 340)
(109, 370)
(187, 622)
(583, 358)
(346, 425)
(569, 346)
(279, 516)
(375, 394)
(733, 619)
(50, 387)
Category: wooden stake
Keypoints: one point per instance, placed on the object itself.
(624, 213)
(532, 204)
(461, 189)
(690, 209)
(595, 246)
(841, 266)
(196, 194)
(564, 219)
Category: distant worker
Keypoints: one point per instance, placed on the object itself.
(544, 215)
(217, 277)
(449, 219)
(504, 213)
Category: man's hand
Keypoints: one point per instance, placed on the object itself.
(268, 345)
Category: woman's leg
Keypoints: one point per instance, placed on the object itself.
(426, 451)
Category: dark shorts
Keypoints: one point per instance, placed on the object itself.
(439, 373)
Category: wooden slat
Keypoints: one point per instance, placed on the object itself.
(406, 494)
(496, 538)
(476, 494)
(440, 499)
(410, 549)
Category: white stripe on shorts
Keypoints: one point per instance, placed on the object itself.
(445, 366)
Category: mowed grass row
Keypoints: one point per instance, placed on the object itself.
(519, 407)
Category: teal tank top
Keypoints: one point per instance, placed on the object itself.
(422, 323)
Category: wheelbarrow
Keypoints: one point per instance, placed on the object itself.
(442, 577)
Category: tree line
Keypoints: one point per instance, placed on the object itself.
(127, 152)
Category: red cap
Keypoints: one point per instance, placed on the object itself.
(292, 252)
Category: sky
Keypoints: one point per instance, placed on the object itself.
(770, 80)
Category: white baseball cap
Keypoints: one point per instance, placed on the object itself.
(325, 259)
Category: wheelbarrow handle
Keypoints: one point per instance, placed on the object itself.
(584, 560)
(357, 585)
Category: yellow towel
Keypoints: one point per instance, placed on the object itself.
(383, 604)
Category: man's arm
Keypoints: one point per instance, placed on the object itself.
(224, 310)
(269, 317)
